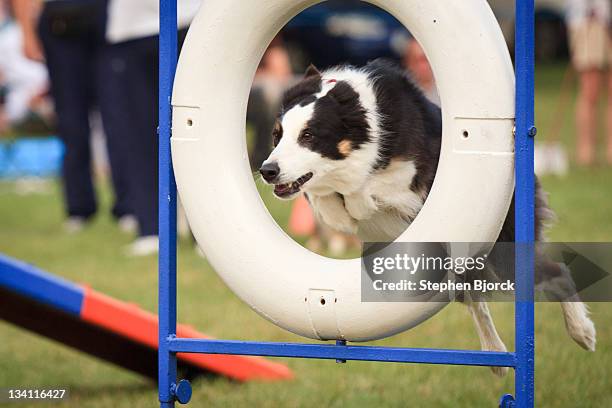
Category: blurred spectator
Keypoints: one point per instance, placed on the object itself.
(106, 50)
(133, 31)
(415, 61)
(272, 77)
(23, 81)
(72, 35)
(591, 48)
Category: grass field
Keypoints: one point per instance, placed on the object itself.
(30, 229)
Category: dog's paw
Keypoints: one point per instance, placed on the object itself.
(330, 209)
(500, 371)
(500, 347)
(360, 206)
(579, 325)
(587, 336)
(341, 222)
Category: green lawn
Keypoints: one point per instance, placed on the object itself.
(30, 229)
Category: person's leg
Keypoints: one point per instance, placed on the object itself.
(586, 115)
(68, 61)
(110, 83)
(140, 92)
(108, 77)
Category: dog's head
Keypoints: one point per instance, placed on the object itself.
(321, 125)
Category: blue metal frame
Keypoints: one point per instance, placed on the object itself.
(168, 39)
(522, 359)
(524, 204)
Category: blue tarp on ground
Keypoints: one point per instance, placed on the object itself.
(31, 157)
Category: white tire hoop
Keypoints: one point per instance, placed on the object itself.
(277, 277)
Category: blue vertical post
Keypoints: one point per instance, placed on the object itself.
(167, 204)
(525, 197)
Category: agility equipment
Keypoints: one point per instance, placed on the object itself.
(107, 328)
(303, 292)
(307, 294)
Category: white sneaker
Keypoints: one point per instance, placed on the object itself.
(128, 224)
(559, 162)
(540, 159)
(75, 224)
(552, 159)
(144, 246)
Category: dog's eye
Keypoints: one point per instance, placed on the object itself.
(306, 137)
(277, 133)
(276, 138)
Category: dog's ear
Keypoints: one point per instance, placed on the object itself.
(312, 71)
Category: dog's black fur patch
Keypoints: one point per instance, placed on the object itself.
(411, 124)
(304, 90)
(338, 116)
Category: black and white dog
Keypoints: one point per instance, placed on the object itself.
(363, 145)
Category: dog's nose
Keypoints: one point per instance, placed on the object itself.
(270, 171)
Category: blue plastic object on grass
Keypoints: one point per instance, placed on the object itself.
(31, 157)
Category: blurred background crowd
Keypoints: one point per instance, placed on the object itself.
(78, 93)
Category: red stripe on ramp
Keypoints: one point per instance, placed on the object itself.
(141, 326)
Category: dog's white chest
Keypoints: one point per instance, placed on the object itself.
(379, 211)
(396, 203)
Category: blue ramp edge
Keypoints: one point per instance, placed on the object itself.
(31, 282)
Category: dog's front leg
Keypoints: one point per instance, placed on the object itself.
(361, 205)
(330, 209)
(487, 333)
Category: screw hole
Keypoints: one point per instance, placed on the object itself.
(322, 301)
(435, 21)
(466, 134)
(189, 122)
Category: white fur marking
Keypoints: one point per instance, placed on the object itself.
(487, 333)
(579, 326)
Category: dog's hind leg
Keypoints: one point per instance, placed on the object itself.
(578, 324)
(487, 333)
(555, 280)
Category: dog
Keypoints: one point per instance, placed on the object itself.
(363, 145)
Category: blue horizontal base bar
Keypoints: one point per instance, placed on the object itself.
(340, 352)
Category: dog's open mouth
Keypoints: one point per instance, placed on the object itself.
(288, 189)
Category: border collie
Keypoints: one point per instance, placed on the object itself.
(363, 145)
